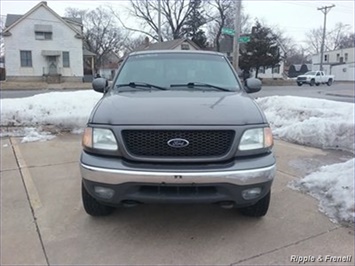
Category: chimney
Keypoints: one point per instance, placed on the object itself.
(146, 41)
(44, 2)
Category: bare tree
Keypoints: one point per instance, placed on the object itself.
(174, 16)
(335, 39)
(223, 16)
(132, 43)
(71, 12)
(101, 33)
(220, 18)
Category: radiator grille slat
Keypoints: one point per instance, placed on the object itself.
(154, 143)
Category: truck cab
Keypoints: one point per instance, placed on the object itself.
(315, 78)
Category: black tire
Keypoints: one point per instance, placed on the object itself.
(312, 82)
(317, 84)
(259, 209)
(330, 82)
(92, 206)
(299, 84)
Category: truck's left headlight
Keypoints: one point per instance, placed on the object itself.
(99, 138)
(256, 138)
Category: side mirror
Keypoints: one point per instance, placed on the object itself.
(99, 84)
(253, 85)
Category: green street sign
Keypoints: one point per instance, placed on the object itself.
(244, 39)
(228, 31)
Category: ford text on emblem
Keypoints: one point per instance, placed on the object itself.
(178, 143)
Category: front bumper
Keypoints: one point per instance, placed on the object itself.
(239, 172)
(177, 185)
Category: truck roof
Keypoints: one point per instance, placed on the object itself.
(176, 52)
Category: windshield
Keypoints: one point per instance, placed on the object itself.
(311, 73)
(166, 69)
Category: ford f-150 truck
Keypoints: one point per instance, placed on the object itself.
(177, 127)
(315, 78)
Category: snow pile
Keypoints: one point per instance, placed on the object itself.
(333, 186)
(32, 134)
(312, 122)
(65, 110)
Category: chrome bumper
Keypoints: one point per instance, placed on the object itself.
(237, 177)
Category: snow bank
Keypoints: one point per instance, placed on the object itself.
(312, 122)
(67, 110)
(333, 186)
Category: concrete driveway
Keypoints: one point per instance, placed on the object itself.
(43, 222)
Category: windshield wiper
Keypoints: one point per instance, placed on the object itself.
(140, 85)
(199, 84)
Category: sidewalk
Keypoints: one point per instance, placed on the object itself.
(43, 221)
(12, 85)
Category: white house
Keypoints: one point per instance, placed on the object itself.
(340, 63)
(42, 46)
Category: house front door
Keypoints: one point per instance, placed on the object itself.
(52, 65)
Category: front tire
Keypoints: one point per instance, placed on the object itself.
(259, 209)
(312, 82)
(330, 82)
(92, 206)
(299, 84)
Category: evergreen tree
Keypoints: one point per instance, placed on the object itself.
(261, 51)
(192, 29)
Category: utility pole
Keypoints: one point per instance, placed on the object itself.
(325, 10)
(237, 28)
(159, 20)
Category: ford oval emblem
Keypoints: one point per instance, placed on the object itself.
(178, 143)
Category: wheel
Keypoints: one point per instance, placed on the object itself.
(92, 206)
(312, 82)
(259, 209)
(299, 83)
(330, 82)
(317, 84)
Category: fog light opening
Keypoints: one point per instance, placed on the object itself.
(105, 193)
(251, 193)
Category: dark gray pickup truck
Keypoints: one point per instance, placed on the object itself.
(177, 127)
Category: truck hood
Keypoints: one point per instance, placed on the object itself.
(177, 108)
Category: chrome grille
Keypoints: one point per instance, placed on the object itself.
(154, 143)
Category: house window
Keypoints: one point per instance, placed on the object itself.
(325, 58)
(276, 70)
(26, 58)
(43, 32)
(66, 61)
(40, 35)
(346, 57)
(185, 46)
(261, 70)
(338, 57)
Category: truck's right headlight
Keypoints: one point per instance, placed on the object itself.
(99, 138)
(256, 138)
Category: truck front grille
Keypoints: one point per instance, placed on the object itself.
(301, 78)
(201, 143)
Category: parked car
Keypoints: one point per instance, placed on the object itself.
(177, 127)
(315, 78)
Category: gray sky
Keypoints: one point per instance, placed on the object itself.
(294, 17)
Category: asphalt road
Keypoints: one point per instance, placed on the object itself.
(343, 92)
(43, 221)
(337, 92)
